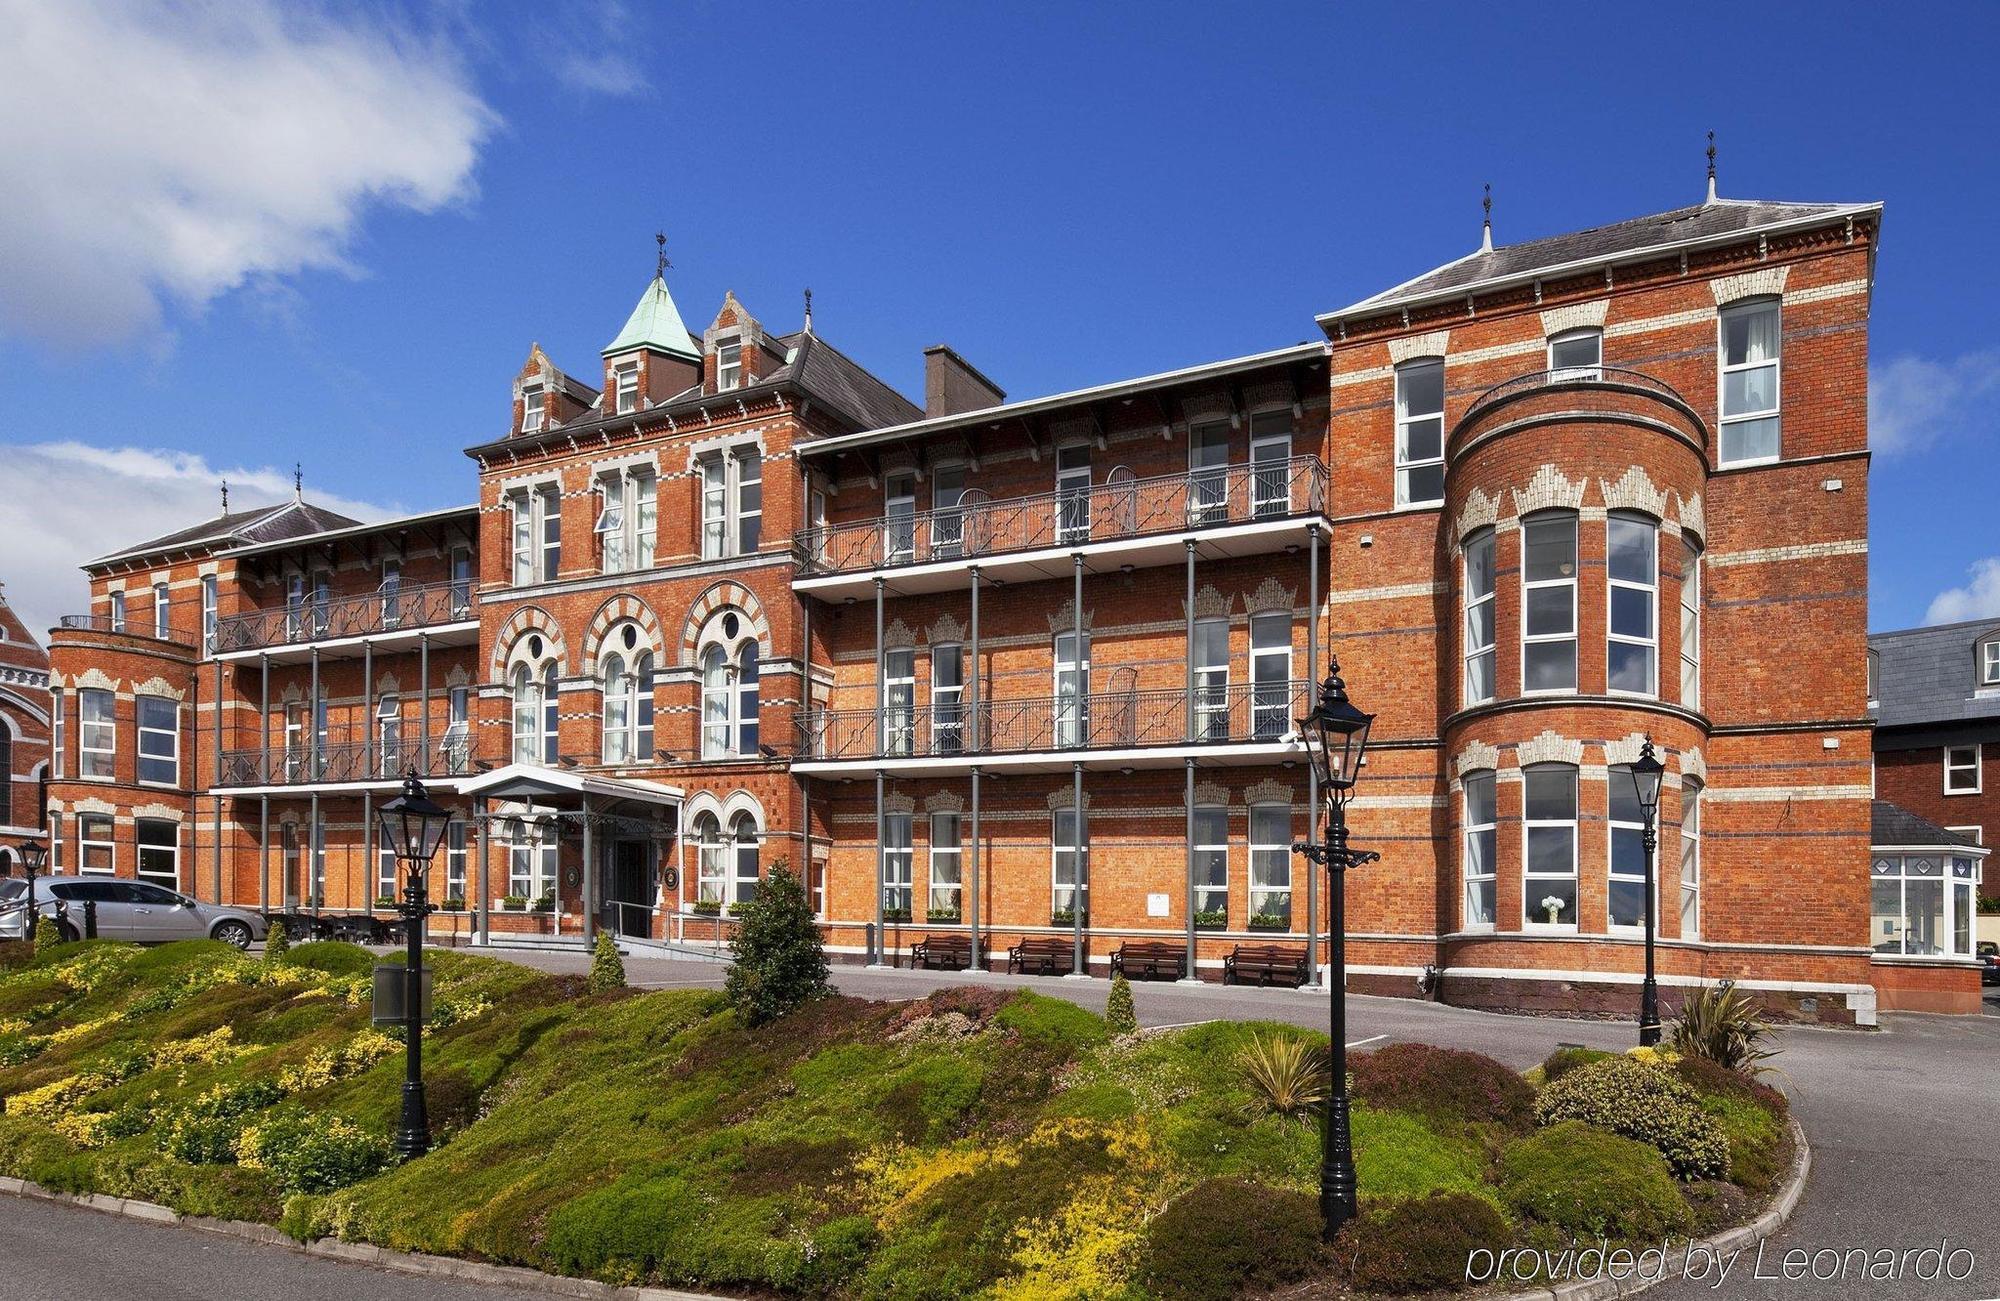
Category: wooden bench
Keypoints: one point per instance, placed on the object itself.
(1042, 956)
(1150, 959)
(942, 952)
(1267, 962)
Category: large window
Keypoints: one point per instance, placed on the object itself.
(948, 697)
(1632, 567)
(1481, 848)
(531, 861)
(899, 696)
(899, 512)
(1271, 866)
(1270, 463)
(1923, 904)
(1961, 770)
(1576, 355)
(1548, 578)
(1627, 891)
(744, 844)
(1211, 865)
(628, 702)
(896, 866)
(728, 364)
(1690, 860)
(455, 859)
(1073, 493)
(96, 733)
(537, 535)
(391, 591)
(1072, 670)
(162, 611)
(159, 844)
(1070, 864)
(461, 582)
(1271, 675)
(1479, 619)
(729, 699)
(1749, 383)
(389, 757)
(159, 741)
(534, 713)
(1420, 433)
(118, 612)
(1208, 471)
(732, 503)
(1211, 680)
(627, 520)
(945, 896)
(1691, 628)
(97, 849)
(625, 382)
(208, 613)
(534, 410)
(710, 860)
(56, 741)
(947, 517)
(456, 745)
(1548, 893)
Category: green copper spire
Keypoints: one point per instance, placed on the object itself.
(656, 323)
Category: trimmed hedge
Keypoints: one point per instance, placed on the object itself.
(1590, 1182)
(1647, 1103)
(1419, 1245)
(1225, 1236)
(1444, 1084)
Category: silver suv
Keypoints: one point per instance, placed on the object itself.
(137, 911)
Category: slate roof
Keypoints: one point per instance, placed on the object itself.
(1619, 241)
(827, 372)
(1892, 824)
(1929, 675)
(292, 519)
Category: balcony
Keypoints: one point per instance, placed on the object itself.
(398, 616)
(1133, 728)
(126, 627)
(1240, 510)
(348, 762)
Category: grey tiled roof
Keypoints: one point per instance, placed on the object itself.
(1929, 675)
(1892, 824)
(291, 519)
(1619, 240)
(827, 372)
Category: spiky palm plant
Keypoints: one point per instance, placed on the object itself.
(1722, 1025)
(1288, 1076)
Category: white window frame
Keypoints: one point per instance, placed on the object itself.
(627, 519)
(744, 862)
(85, 842)
(948, 488)
(1478, 603)
(455, 860)
(163, 605)
(1691, 627)
(172, 850)
(461, 582)
(1957, 879)
(731, 484)
(1270, 676)
(1270, 860)
(1073, 487)
(1065, 844)
(1976, 768)
(1211, 679)
(208, 613)
(899, 700)
(531, 862)
(1535, 917)
(1271, 440)
(96, 738)
(1531, 585)
(1576, 372)
(295, 606)
(625, 387)
(1989, 663)
(947, 698)
(1618, 781)
(1208, 471)
(1484, 832)
(899, 517)
(534, 409)
(1976, 833)
(117, 616)
(1724, 370)
(1650, 643)
(1691, 793)
(898, 865)
(1211, 849)
(1070, 674)
(391, 591)
(57, 740)
(455, 747)
(728, 364)
(389, 735)
(947, 854)
(1408, 420)
(711, 863)
(536, 535)
(746, 717)
(172, 751)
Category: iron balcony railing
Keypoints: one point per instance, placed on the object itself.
(1102, 720)
(348, 761)
(1121, 507)
(1605, 377)
(320, 618)
(126, 627)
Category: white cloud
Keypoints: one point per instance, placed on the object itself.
(592, 49)
(164, 153)
(90, 501)
(1914, 402)
(1978, 599)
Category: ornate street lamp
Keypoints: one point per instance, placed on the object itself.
(34, 857)
(1336, 740)
(1646, 774)
(413, 825)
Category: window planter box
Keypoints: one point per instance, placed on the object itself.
(895, 915)
(1269, 922)
(384, 901)
(545, 904)
(1212, 919)
(453, 905)
(1067, 917)
(944, 916)
(706, 908)
(513, 903)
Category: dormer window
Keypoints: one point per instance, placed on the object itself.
(728, 364)
(534, 410)
(1989, 662)
(626, 381)
(1577, 355)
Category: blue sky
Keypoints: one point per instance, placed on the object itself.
(340, 252)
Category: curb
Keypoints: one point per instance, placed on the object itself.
(358, 1253)
(1744, 1235)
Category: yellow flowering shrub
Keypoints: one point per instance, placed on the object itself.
(78, 1031)
(899, 1177)
(13, 1025)
(90, 968)
(52, 1099)
(218, 1045)
(331, 1065)
(83, 1128)
(1653, 1056)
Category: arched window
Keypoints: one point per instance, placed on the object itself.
(715, 695)
(627, 685)
(710, 866)
(729, 663)
(746, 698)
(527, 696)
(549, 712)
(743, 834)
(617, 689)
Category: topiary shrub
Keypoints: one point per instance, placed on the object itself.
(334, 957)
(1444, 1084)
(276, 944)
(47, 935)
(1592, 1183)
(1564, 1060)
(780, 964)
(1120, 1017)
(1419, 1245)
(1224, 1237)
(1647, 1103)
(607, 969)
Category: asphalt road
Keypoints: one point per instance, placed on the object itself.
(1903, 1123)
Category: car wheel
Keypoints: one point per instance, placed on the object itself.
(233, 933)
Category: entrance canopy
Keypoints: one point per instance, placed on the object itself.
(525, 781)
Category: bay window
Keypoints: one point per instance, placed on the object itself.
(1548, 893)
(1211, 865)
(1690, 860)
(945, 893)
(1627, 888)
(1923, 904)
(159, 845)
(1749, 383)
(1632, 571)
(1420, 432)
(1271, 866)
(1479, 617)
(97, 848)
(1548, 600)
(96, 734)
(1481, 848)
(159, 740)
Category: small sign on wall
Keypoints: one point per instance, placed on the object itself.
(1156, 905)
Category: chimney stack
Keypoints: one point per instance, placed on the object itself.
(952, 386)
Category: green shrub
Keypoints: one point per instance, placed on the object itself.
(1224, 1237)
(1752, 1116)
(276, 944)
(1707, 1079)
(47, 935)
(1647, 1103)
(1564, 1060)
(1419, 1245)
(451, 1099)
(1055, 1023)
(607, 969)
(1445, 1084)
(779, 963)
(312, 1152)
(1120, 1017)
(1398, 1155)
(205, 1131)
(1287, 1076)
(1722, 1025)
(1588, 1182)
(334, 957)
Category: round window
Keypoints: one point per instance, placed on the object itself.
(729, 625)
(535, 646)
(631, 636)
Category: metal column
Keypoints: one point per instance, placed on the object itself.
(264, 721)
(1312, 773)
(216, 779)
(972, 741)
(368, 711)
(369, 858)
(978, 962)
(424, 703)
(313, 717)
(485, 894)
(1190, 657)
(589, 878)
(315, 856)
(1190, 974)
(1077, 898)
(881, 854)
(263, 853)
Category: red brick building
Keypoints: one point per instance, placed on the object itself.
(24, 735)
(1027, 670)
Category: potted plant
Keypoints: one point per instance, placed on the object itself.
(895, 914)
(1067, 917)
(944, 916)
(513, 903)
(1553, 906)
(385, 901)
(1270, 922)
(454, 903)
(546, 902)
(707, 907)
(1211, 919)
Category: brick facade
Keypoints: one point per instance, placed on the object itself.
(24, 732)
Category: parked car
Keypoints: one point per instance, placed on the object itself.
(138, 911)
(1989, 957)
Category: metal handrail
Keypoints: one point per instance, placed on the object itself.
(1574, 377)
(1239, 712)
(354, 615)
(346, 761)
(1133, 507)
(126, 627)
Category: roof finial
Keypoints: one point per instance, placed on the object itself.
(1486, 229)
(660, 268)
(809, 311)
(298, 481)
(225, 496)
(1711, 167)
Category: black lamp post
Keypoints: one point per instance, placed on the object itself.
(1336, 737)
(1646, 774)
(34, 855)
(414, 825)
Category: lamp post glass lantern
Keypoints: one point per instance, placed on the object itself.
(413, 825)
(34, 857)
(1335, 735)
(1647, 772)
